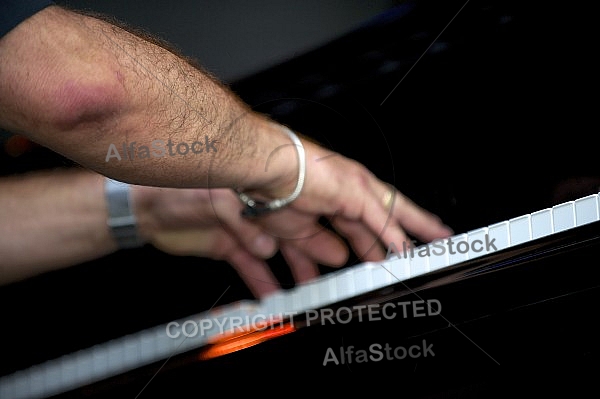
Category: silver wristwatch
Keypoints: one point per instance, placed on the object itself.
(121, 220)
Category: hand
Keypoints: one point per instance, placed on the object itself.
(207, 223)
(353, 199)
(219, 244)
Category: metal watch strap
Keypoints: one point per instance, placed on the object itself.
(121, 220)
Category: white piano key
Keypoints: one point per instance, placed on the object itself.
(541, 223)
(313, 298)
(301, 298)
(131, 350)
(163, 342)
(399, 268)
(458, 248)
(236, 309)
(115, 356)
(363, 277)
(52, 375)
(21, 385)
(334, 286)
(586, 210)
(84, 366)
(71, 369)
(7, 387)
(439, 254)
(478, 242)
(37, 384)
(255, 310)
(387, 268)
(275, 304)
(208, 327)
(498, 233)
(327, 290)
(177, 344)
(188, 343)
(380, 277)
(241, 322)
(519, 230)
(247, 311)
(420, 263)
(147, 346)
(288, 301)
(218, 318)
(68, 373)
(345, 284)
(294, 300)
(226, 324)
(245, 308)
(563, 216)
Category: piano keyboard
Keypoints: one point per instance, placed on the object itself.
(153, 345)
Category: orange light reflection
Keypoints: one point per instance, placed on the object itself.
(243, 340)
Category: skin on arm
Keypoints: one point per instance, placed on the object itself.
(51, 220)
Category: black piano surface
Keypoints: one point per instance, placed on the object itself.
(489, 120)
(514, 324)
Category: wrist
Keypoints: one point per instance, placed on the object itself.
(257, 205)
(276, 169)
(144, 202)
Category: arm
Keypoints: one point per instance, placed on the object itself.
(51, 220)
(84, 84)
(57, 218)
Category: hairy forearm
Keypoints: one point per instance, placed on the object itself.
(50, 220)
(95, 93)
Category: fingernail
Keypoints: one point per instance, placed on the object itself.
(449, 231)
(264, 245)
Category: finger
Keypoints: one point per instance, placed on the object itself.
(250, 235)
(188, 243)
(253, 239)
(325, 248)
(304, 256)
(364, 243)
(289, 225)
(421, 223)
(219, 245)
(303, 268)
(399, 216)
(382, 222)
(320, 244)
(255, 273)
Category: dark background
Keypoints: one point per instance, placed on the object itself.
(495, 120)
(233, 38)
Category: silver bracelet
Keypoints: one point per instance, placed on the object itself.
(256, 208)
(121, 220)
